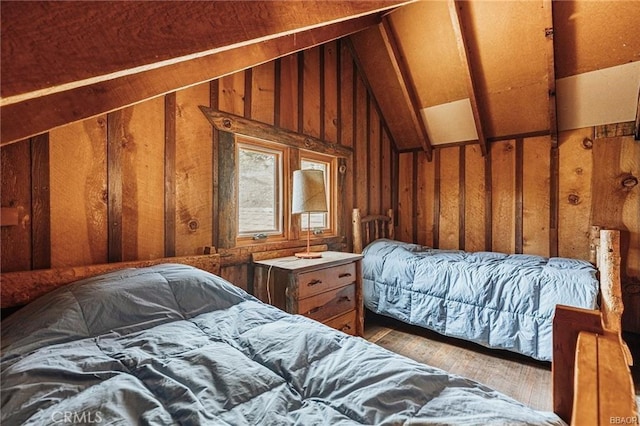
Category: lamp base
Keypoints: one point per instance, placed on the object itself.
(309, 255)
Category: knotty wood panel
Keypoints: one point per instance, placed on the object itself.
(618, 207)
(116, 140)
(346, 95)
(15, 191)
(311, 93)
(449, 198)
(405, 199)
(227, 205)
(609, 170)
(194, 189)
(425, 198)
(143, 181)
(374, 151)
(330, 75)
(231, 98)
(237, 274)
(170, 109)
(289, 92)
(385, 174)
(262, 93)
(474, 205)
(630, 165)
(503, 196)
(79, 193)
(40, 203)
(574, 204)
(536, 176)
(360, 148)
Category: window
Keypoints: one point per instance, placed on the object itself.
(263, 172)
(320, 221)
(260, 189)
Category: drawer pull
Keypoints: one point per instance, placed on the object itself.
(344, 299)
(346, 274)
(314, 310)
(314, 282)
(345, 327)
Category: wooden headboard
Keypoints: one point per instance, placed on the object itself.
(20, 288)
(371, 227)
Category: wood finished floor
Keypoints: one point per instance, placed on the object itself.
(520, 377)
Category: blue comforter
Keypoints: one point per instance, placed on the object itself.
(494, 299)
(171, 344)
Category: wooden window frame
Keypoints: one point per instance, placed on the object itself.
(243, 239)
(332, 191)
(227, 128)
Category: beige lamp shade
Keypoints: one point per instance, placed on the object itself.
(308, 192)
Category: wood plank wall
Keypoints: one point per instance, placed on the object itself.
(503, 202)
(139, 183)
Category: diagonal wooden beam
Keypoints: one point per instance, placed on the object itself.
(463, 51)
(51, 46)
(406, 83)
(34, 116)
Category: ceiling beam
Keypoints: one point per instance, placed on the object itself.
(463, 50)
(33, 116)
(52, 46)
(547, 6)
(406, 83)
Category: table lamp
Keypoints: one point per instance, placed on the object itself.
(308, 197)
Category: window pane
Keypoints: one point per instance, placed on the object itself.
(258, 191)
(317, 220)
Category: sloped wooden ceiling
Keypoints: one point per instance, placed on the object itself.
(483, 70)
(67, 61)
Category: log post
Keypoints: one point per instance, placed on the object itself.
(609, 265)
(610, 287)
(392, 225)
(594, 244)
(357, 231)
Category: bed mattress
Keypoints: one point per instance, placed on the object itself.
(494, 299)
(171, 344)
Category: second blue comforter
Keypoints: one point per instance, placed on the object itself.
(494, 299)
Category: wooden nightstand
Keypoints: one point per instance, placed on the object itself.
(328, 289)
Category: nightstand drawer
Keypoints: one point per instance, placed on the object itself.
(327, 305)
(316, 282)
(345, 323)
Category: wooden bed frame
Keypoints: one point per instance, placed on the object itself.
(585, 351)
(592, 383)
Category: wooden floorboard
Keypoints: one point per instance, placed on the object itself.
(520, 377)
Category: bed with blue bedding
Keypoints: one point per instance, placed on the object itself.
(494, 299)
(171, 344)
